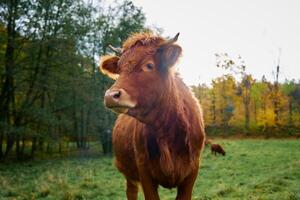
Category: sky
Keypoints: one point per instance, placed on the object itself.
(260, 31)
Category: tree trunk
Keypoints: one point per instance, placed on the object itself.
(33, 146)
(1, 146)
(291, 123)
(87, 124)
(264, 109)
(41, 144)
(276, 99)
(48, 147)
(75, 121)
(213, 109)
(276, 112)
(247, 112)
(255, 113)
(7, 89)
(18, 147)
(23, 146)
(9, 144)
(81, 128)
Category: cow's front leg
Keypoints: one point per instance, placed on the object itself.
(148, 185)
(185, 189)
(131, 190)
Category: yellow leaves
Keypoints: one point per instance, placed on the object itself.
(224, 103)
(266, 118)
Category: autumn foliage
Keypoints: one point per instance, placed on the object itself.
(238, 103)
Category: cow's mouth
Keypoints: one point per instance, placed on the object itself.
(120, 109)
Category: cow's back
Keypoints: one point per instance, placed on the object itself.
(123, 134)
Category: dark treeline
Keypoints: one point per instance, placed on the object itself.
(50, 88)
(236, 103)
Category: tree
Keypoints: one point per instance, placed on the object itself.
(50, 86)
(238, 67)
(247, 104)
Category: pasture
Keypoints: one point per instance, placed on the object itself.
(251, 169)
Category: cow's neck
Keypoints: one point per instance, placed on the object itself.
(170, 135)
(171, 109)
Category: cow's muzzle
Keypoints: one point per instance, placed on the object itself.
(118, 100)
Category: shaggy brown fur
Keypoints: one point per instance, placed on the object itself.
(145, 38)
(216, 148)
(159, 141)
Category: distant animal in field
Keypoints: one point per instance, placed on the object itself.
(159, 134)
(216, 148)
(297, 135)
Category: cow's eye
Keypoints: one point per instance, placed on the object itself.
(147, 67)
(150, 66)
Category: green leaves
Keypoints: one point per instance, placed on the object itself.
(58, 90)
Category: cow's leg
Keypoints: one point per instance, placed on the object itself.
(149, 187)
(185, 189)
(132, 190)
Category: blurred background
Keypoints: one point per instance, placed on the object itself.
(240, 59)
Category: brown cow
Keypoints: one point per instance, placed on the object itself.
(216, 148)
(159, 136)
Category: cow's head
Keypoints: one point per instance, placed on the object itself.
(142, 70)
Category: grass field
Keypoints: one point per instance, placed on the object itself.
(252, 169)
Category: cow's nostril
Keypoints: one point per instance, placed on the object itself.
(117, 95)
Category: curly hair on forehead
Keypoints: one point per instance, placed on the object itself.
(146, 38)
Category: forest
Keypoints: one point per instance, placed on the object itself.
(51, 92)
(237, 103)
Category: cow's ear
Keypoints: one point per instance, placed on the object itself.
(109, 66)
(167, 55)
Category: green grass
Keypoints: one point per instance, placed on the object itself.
(252, 169)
